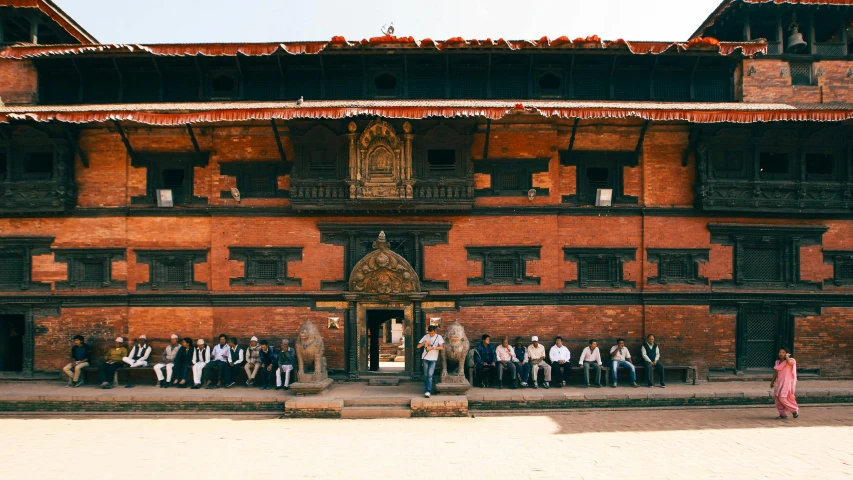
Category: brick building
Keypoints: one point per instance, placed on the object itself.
(727, 159)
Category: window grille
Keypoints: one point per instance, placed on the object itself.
(11, 269)
(675, 270)
(761, 264)
(801, 73)
(268, 270)
(598, 272)
(844, 271)
(503, 269)
(93, 272)
(175, 273)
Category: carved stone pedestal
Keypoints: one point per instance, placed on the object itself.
(453, 384)
(311, 386)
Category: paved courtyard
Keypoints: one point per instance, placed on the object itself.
(616, 444)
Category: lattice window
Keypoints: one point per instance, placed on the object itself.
(265, 266)
(11, 269)
(598, 272)
(759, 345)
(174, 273)
(503, 269)
(844, 271)
(503, 265)
(93, 272)
(801, 73)
(675, 270)
(599, 267)
(268, 270)
(511, 178)
(510, 181)
(761, 264)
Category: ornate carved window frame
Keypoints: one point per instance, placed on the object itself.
(253, 256)
(785, 240)
(76, 258)
(839, 259)
(158, 260)
(615, 259)
(517, 256)
(687, 258)
(614, 161)
(244, 171)
(25, 248)
(155, 163)
(525, 168)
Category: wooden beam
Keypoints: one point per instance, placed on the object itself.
(278, 140)
(192, 137)
(124, 139)
(574, 132)
(486, 143)
(691, 146)
(639, 149)
(72, 135)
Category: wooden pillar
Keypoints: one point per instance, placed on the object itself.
(418, 331)
(351, 337)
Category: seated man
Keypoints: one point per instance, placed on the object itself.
(536, 357)
(182, 362)
(651, 359)
(167, 361)
(236, 356)
(506, 361)
(522, 366)
(267, 359)
(621, 357)
(200, 359)
(112, 362)
(591, 358)
(218, 363)
(286, 363)
(79, 361)
(561, 365)
(485, 359)
(138, 356)
(252, 364)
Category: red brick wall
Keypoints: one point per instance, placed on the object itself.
(769, 81)
(18, 82)
(824, 342)
(692, 335)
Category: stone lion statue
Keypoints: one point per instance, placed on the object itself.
(309, 353)
(455, 350)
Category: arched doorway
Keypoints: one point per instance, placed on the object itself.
(385, 294)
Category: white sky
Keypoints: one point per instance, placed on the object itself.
(191, 21)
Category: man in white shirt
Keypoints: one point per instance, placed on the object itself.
(138, 356)
(506, 360)
(200, 359)
(252, 363)
(591, 358)
(561, 365)
(432, 343)
(218, 362)
(167, 361)
(651, 358)
(536, 357)
(621, 357)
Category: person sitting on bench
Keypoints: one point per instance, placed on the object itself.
(138, 356)
(268, 361)
(236, 356)
(591, 358)
(218, 363)
(522, 365)
(79, 360)
(182, 362)
(167, 361)
(200, 359)
(286, 363)
(561, 365)
(485, 359)
(112, 362)
(252, 363)
(651, 359)
(506, 361)
(536, 357)
(621, 357)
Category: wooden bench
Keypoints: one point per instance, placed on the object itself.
(640, 372)
(143, 376)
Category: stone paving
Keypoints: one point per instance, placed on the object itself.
(736, 443)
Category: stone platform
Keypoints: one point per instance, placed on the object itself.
(359, 400)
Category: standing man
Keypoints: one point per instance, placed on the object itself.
(621, 357)
(167, 360)
(432, 343)
(236, 356)
(252, 364)
(286, 363)
(536, 357)
(506, 360)
(267, 359)
(219, 363)
(651, 360)
(591, 358)
(112, 362)
(485, 357)
(200, 359)
(522, 366)
(79, 361)
(561, 365)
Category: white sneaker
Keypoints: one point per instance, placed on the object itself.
(426, 394)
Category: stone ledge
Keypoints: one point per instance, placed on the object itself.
(444, 406)
(313, 408)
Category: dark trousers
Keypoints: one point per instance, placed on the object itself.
(509, 366)
(523, 371)
(218, 366)
(179, 371)
(267, 376)
(107, 370)
(595, 366)
(485, 373)
(231, 372)
(561, 372)
(650, 373)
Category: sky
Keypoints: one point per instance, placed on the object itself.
(200, 21)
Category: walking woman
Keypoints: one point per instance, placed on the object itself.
(784, 385)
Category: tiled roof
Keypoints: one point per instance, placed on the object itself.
(57, 15)
(722, 7)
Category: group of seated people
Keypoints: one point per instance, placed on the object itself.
(223, 362)
(523, 363)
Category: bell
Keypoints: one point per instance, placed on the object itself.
(795, 41)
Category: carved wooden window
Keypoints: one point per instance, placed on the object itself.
(774, 165)
(842, 266)
(16, 262)
(599, 267)
(821, 166)
(441, 162)
(729, 163)
(265, 266)
(441, 153)
(679, 266)
(503, 265)
(171, 269)
(173, 171)
(766, 256)
(256, 179)
(599, 170)
(89, 268)
(549, 84)
(511, 177)
(224, 85)
(321, 154)
(386, 84)
(801, 73)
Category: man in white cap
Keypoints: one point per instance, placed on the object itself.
(536, 357)
(286, 364)
(112, 362)
(200, 358)
(139, 354)
(252, 363)
(167, 360)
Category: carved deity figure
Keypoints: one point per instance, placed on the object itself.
(456, 346)
(309, 353)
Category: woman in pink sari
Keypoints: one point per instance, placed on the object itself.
(784, 385)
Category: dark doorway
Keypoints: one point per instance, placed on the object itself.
(11, 343)
(762, 331)
(384, 333)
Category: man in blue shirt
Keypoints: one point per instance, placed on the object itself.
(485, 358)
(522, 366)
(79, 361)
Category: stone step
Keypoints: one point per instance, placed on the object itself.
(378, 402)
(376, 412)
(383, 381)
